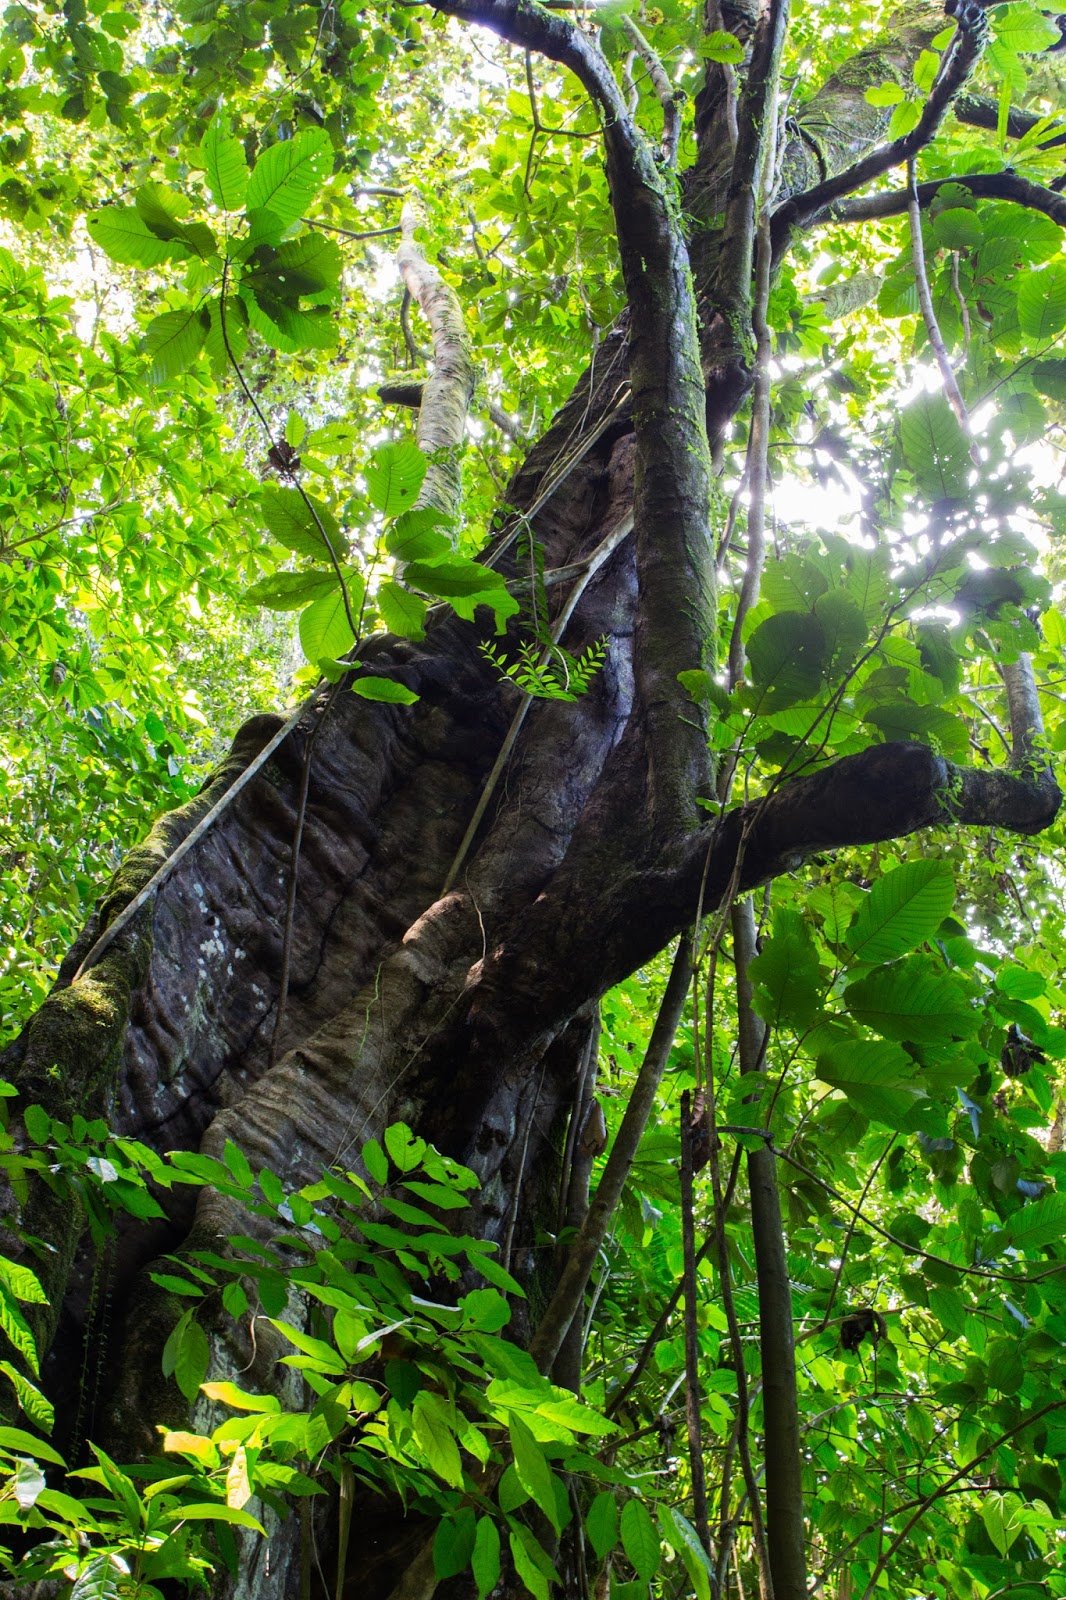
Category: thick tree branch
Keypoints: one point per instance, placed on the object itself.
(886, 792)
(956, 66)
(756, 129)
(986, 185)
(446, 394)
(981, 113)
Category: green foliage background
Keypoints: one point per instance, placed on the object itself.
(197, 203)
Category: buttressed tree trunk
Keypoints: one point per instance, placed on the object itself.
(468, 1013)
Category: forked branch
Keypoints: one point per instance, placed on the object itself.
(958, 63)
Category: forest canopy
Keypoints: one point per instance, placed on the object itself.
(532, 624)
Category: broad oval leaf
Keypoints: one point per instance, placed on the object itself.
(485, 1560)
(436, 1438)
(907, 1001)
(935, 447)
(787, 653)
(288, 591)
(402, 612)
(386, 690)
(287, 175)
(301, 523)
(122, 233)
(1042, 301)
(787, 976)
(453, 1543)
(394, 476)
(601, 1522)
(903, 909)
(325, 632)
(223, 160)
(1039, 1223)
(191, 1360)
(640, 1539)
(174, 340)
(534, 1473)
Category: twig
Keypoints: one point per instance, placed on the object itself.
(962, 1472)
(446, 394)
(565, 1303)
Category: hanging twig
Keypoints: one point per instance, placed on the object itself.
(932, 327)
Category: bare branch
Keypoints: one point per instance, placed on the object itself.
(932, 326)
(986, 185)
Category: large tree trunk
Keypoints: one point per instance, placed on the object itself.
(468, 1013)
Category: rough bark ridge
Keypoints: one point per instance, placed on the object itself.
(467, 1014)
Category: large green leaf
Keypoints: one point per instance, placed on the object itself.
(288, 175)
(1023, 28)
(174, 340)
(904, 907)
(601, 1522)
(223, 161)
(164, 212)
(534, 1473)
(325, 632)
(394, 476)
(640, 1541)
(788, 654)
(909, 1000)
(124, 235)
(301, 523)
(402, 612)
(385, 690)
(453, 1543)
(878, 1077)
(786, 974)
(1042, 301)
(532, 1562)
(935, 447)
(16, 1327)
(287, 327)
(1039, 1223)
(454, 577)
(434, 1434)
(485, 1560)
(289, 591)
